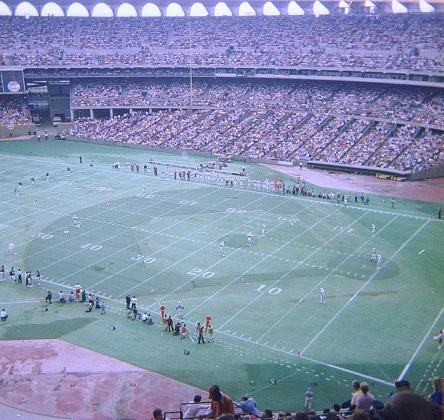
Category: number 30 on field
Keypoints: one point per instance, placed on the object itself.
(146, 260)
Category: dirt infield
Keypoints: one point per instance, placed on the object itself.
(53, 379)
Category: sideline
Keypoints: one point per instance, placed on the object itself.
(430, 190)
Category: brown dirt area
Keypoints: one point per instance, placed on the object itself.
(426, 190)
(43, 379)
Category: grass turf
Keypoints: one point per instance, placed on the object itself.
(163, 246)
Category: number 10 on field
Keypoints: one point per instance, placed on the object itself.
(272, 291)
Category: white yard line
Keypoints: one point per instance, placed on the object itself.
(415, 353)
(361, 288)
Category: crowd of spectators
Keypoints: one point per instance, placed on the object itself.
(418, 106)
(412, 42)
(244, 136)
(13, 111)
(382, 126)
(403, 403)
(374, 125)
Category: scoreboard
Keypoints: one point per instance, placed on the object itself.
(12, 81)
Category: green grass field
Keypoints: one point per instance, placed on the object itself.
(163, 246)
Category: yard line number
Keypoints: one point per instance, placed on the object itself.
(201, 273)
(42, 235)
(91, 247)
(146, 260)
(272, 291)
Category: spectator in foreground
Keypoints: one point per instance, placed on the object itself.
(436, 398)
(412, 406)
(268, 414)
(365, 400)
(400, 386)
(248, 405)
(157, 414)
(356, 391)
(193, 407)
(360, 415)
(220, 403)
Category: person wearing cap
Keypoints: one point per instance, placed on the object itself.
(193, 407)
(248, 405)
(309, 394)
(220, 403)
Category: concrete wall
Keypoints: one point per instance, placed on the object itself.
(437, 172)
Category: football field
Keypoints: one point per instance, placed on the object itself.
(159, 239)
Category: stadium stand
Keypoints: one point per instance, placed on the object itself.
(385, 126)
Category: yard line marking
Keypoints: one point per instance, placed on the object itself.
(415, 353)
(282, 277)
(109, 255)
(361, 288)
(420, 252)
(21, 302)
(314, 361)
(216, 263)
(93, 194)
(319, 283)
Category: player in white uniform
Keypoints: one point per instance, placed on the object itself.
(75, 221)
(373, 258)
(250, 239)
(322, 291)
(11, 248)
(373, 230)
(38, 277)
(222, 248)
(179, 309)
(378, 262)
(108, 199)
(264, 231)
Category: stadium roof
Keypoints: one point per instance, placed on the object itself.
(385, 6)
